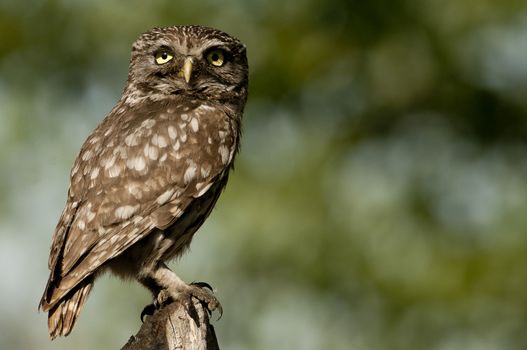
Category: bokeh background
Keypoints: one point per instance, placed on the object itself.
(380, 198)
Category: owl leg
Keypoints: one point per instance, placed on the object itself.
(167, 287)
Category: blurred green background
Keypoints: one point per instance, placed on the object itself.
(380, 198)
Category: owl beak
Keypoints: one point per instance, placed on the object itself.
(186, 71)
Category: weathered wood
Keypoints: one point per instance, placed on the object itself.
(176, 327)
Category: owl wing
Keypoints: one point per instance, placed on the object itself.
(135, 173)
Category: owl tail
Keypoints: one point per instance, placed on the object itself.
(63, 314)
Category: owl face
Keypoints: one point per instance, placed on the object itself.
(188, 60)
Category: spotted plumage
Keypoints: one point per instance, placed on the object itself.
(149, 175)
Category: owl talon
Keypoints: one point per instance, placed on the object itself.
(204, 293)
(199, 290)
(202, 285)
(148, 311)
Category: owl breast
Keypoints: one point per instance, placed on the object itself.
(160, 166)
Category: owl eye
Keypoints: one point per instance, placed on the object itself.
(216, 57)
(163, 57)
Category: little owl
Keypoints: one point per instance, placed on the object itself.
(149, 175)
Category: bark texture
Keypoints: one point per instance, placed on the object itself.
(176, 327)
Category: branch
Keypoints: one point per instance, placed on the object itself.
(176, 327)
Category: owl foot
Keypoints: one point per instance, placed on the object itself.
(148, 311)
(199, 290)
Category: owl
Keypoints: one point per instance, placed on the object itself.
(149, 175)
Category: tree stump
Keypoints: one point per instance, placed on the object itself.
(176, 327)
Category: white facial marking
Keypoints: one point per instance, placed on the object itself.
(184, 117)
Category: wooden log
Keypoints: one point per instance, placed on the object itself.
(176, 327)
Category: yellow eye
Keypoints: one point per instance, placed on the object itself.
(216, 58)
(163, 57)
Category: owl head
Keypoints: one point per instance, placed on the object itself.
(194, 61)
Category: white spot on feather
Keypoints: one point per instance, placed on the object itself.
(137, 163)
(151, 151)
(189, 174)
(224, 153)
(94, 173)
(114, 171)
(207, 108)
(149, 123)
(183, 136)
(94, 140)
(131, 140)
(90, 215)
(204, 188)
(162, 199)
(205, 170)
(176, 146)
(135, 190)
(126, 211)
(108, 132)
(75, 169)
(87, 155)
(172, 133)
(175, 211)
(158, 140)
(194, 125)
(108, 162)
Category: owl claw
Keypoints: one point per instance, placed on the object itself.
(203, 285)
(199, 290)
(204, 293)
(148, 311)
